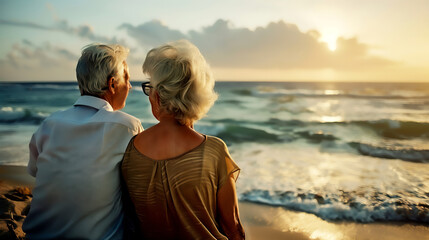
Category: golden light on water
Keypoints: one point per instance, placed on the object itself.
(309, 226)
(332, 92)
(327, 109)
(329, 119)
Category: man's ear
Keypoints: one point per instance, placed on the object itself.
(111, 85)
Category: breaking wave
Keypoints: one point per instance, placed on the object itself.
(392, 152)
(20, 115)
(351, 206)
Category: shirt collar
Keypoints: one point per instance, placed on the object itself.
(94, 102)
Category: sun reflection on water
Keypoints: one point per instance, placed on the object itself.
(331, 92)
(330, 119)
(325, 235)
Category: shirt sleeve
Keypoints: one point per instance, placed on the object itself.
(138, 128)
(34, 154)
(227, 167)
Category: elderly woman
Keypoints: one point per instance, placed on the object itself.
(181, 182)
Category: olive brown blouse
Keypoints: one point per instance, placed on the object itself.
(176, 198)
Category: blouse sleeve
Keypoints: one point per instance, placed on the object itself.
(227, 166)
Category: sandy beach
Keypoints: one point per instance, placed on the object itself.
(261, 222)
(15, 199)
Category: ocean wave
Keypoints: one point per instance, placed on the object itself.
(397, 129)
(230, 101)
(233, 121)
(386, 128)
(349, 206)
(392, 152)
(244, 92)
(53, 86)
(20, 115)
(323, 93)
(137, 89)
(316, 137)
(241, 130)
(237, 134)
(288, 123)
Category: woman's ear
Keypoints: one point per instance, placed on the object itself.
(157, 99)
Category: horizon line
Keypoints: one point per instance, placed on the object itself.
(235, 81)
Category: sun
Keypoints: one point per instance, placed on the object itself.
(332, 45)
(330, 39)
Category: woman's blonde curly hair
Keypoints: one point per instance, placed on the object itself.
(183, 80)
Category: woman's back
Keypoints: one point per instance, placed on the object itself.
(176, 197)
(167, 140)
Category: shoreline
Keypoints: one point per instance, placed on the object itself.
(259, 221)
(16, 175)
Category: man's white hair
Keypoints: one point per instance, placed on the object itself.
(183, 80)
(97, 64)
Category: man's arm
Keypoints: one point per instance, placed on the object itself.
(34, 154)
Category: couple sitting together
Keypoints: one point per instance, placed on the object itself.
(100, 176)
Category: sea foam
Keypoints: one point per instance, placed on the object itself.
(20, 115)
(352, 206)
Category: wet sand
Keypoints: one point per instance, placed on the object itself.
(268, 222)
(260, 221)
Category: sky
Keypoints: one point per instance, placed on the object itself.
(242, 40)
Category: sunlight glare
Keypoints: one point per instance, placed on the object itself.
(332, 92)
(331, 119)
(330, 38)
(332, 45)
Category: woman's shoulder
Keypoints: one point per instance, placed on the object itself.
(130, 147)
(215, 142)
(145, 135)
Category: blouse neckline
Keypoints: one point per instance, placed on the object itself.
(171, 158)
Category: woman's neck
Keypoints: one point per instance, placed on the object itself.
(171, 122)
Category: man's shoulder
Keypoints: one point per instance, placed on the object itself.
(56, 116)
(71, 115)
(123, 118)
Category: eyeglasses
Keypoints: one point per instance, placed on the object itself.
(146, 88)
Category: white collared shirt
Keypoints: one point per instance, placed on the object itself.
(75, 156)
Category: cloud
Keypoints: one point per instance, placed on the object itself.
(278, 45)
(24, 24)
(350, 53)
(82, 31)
(28, 61)
(152, 33)
(45, 53)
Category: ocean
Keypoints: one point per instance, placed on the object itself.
(342, 151)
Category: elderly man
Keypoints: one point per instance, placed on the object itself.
(75, 154)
